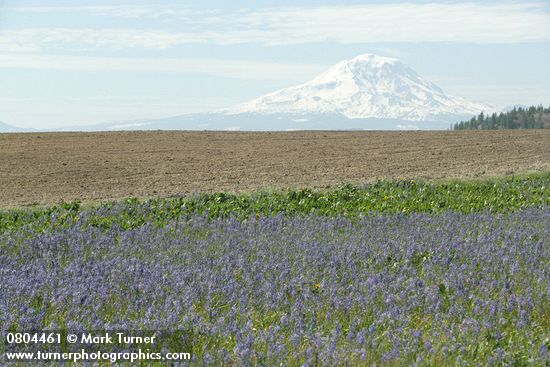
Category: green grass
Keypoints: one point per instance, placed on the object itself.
(494, 195)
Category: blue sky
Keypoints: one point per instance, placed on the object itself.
(67, 63)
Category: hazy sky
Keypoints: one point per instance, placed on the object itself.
(81, 62)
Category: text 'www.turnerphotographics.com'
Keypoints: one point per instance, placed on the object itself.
(112, 346)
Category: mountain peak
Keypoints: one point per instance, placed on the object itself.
(366, 86)
(372, 59)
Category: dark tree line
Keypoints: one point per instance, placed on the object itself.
(534, 117)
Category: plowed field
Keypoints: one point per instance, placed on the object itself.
(45, 168)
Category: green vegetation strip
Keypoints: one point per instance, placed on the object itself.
(389, 196)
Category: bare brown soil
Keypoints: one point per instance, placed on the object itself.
(45, 168)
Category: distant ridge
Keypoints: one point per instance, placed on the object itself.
(5, 128)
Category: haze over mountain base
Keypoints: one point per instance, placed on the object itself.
(271, 122)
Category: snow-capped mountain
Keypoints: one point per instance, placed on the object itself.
(368, 92)
(367, 86)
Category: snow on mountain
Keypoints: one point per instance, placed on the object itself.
(367, 86)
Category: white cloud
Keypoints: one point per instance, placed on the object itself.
(472, 22)
(87, 38)
(397, 22)
(120, 11)
(228, 68)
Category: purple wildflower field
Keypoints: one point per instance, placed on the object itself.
(393, 289)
